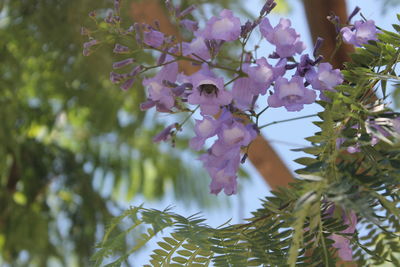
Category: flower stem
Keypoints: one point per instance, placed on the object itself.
(292, 119)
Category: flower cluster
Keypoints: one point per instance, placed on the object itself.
(227, 107)
(170, 91)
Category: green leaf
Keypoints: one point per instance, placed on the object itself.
(171, 241)
(160, 252)
(185, 253)
(179, 260)
(164, 245)
(189, 246)
(200, 259)
(305, 161)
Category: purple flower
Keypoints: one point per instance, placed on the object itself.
(197, 47)
(135, 71)
(267, 8)
(165, 134)
(153, 38)
(204, 129)
(259, 79)
(243, 91)
(223, 159)
(226, 27)
(306, 64)
(222, 179)
(147, 105)
(342, 243)
(190, 25)
(246, 28)
(222, 163)
(323, 97)
(326, 78)
(236, 134)
(120, 49)
(291, 94)
(213, 46)
(116, 77)
(127, 84)
(123, 63)
(264, 74)
(360, 34)
(90, 43)
(208, 92)
(286, 40)
(187, 11)
(158, 92)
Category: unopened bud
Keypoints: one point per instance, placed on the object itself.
(116, 77)
(267, 8)
(187, 11)
(135, 71)
(355, 11)
(123, 63)
(120, 49)
(90, 43)
(164, 134)
(127, 84)
(317, 46)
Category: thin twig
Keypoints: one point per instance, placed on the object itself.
(292, 119)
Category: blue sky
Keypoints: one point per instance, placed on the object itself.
(291, 133)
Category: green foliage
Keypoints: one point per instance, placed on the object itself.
(294, 227)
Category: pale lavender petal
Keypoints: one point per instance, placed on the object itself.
(226, 27)
(285, 38)
(153, 38)
(147, 105)
(164, 134)
(190, 25)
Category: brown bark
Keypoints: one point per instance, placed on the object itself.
(261, 154)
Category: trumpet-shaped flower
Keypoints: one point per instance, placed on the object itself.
(291, 94)
(285, 38)
(361, 33)
(325, 78)
(226, 27)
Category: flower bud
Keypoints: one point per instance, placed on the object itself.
(123, 63)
